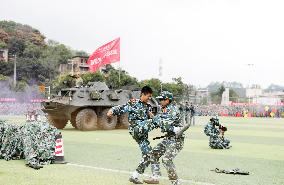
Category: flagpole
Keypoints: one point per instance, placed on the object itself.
(119, 74)
(15, 70)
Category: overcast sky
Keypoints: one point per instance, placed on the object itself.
(198, 40)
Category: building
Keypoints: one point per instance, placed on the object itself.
(226, 97)
(202, 96)
(270, 98)
(4, 55)
(254, 91)
(76, 65)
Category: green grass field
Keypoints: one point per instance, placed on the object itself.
(108, 157)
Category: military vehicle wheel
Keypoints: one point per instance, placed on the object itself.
(105, 122)
(86, 119)
(58, 123)
(122, 121)
(73, 119)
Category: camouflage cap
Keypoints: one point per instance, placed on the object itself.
(166, 95)
(215, 121)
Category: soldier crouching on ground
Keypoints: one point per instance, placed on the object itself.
(216, 133)
(140, 125)
(173, 142)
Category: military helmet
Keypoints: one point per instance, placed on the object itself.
(215, 121)
(166, 95)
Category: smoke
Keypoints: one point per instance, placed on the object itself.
(19, 102)
(30, 93)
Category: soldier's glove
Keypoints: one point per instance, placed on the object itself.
(181, 130)
(177, 130)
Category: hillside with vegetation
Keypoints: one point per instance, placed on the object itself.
(38, 61)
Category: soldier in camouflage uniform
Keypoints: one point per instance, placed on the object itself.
(216, 133)
(35, 142)
(192, 113)
(182, 111)
(140, 125)
(170, 123)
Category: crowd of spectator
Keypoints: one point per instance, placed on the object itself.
(240, 110)
(17, 108)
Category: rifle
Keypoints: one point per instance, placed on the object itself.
(233, 171)
(160, 137)
(184, 128)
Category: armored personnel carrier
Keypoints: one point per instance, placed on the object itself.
(86, 107)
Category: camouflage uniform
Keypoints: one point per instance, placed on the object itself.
(140, 126)
(35, 142)
(170, 146)
(182, 110)
(192, 113)
(215, 140)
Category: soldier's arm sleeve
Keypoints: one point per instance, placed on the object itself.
(215, 133)
(121, 109)
(168, 122)
(157, 121)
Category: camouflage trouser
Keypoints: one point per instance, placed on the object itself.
(219, 143)
(140, 128)
(168, 150)
(139, 131)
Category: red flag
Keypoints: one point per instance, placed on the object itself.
(105, 54)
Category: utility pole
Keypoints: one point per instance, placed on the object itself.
(72, 65)
(250, 66)
(48, 88)
(15, 70)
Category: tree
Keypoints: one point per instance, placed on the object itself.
(214, 86)
(3, 78)
(93, 77)
(37, 60)
(154, 83)
(233, 96)
(216, 97)
(175, 89)
(16, 46)
(6, 68)
(2, 45)
(80, 53)
(62, 81)
(56, 53)
(32, 51)
(4, 37)
(112, 79)
(52, 56)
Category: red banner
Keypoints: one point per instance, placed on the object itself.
(7, 99)
(105, 54)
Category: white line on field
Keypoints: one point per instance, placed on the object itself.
(128, 172)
